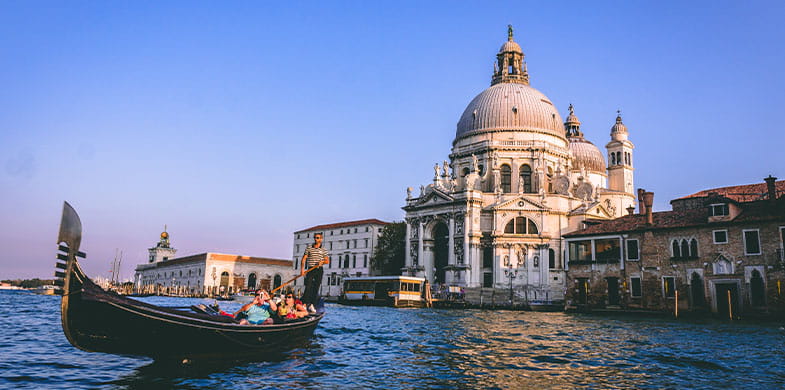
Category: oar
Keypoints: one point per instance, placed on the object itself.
(297, 277)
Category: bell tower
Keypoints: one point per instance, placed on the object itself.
(162, 251)
(620, 176)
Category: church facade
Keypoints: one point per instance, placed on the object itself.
(517, 179)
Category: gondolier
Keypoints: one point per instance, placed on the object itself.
(315, 256)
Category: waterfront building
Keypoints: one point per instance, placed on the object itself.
(206, 273)
(518, 177)
(350, 246)
(718, 250)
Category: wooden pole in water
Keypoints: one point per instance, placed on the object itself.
(676, 305)
(730, 307)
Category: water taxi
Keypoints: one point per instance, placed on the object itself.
(395, 291)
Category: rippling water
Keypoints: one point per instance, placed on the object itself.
(419, 348)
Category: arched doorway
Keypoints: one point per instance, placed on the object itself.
(252, 281)
(224, 282)
(440, 251)
(276, 281)
(696, 290)
(757, 293)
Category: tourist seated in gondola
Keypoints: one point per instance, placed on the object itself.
(291, 309)
(258, 312)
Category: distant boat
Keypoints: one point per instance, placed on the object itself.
(96, 320)
(8, 286)
(48, 289)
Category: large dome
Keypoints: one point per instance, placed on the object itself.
(510, 106)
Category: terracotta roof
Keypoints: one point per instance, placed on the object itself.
(201, 257)
(344, 224)
(751, 211)
(742, 193)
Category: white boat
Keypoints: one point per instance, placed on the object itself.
(47, 289)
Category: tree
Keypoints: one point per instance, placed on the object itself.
(389, 256)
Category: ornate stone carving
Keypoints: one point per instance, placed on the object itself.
(458, 248)
(561, 185)
(413, 250)
(611, 208)
(584, 191)
(459, 224)
(426, 219)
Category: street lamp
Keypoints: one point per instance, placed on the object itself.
(511, 272)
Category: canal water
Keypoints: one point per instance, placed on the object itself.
(419, 348)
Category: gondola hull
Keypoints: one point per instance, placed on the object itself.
(96, 320)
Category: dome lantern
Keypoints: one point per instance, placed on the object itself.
(619, 130)
(572, 125)
(509, 66)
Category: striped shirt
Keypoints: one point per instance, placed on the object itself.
(314, 255)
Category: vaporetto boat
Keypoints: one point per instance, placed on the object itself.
(395, 291)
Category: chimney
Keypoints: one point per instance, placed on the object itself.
(648, 200)
(771, 187)
(641, 204)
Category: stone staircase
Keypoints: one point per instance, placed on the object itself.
(481, 296)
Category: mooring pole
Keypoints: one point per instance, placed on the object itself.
(730, 307)
(676, 305)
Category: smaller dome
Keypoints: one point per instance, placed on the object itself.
(511, 46)
(586, 155)
(164, 235)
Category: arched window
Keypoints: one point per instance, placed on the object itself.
(465, 172)
(521, 225)
(252, 281)
(506, 173)
(676, 250)
(346, 262)
(481, 169)
(276, 281)
(550, 179)
(613, 158)
(693, 248)
(618, 158)
(685, 249)
(526, 178)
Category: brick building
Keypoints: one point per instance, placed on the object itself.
(718, 250)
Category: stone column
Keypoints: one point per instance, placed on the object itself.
(420, 258)
(407, 244)
(451, 241)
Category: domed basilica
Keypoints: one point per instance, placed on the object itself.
(518, 177)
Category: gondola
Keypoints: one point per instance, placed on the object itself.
(96, 320)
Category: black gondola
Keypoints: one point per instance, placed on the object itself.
(96, 320)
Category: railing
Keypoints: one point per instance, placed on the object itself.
(597, 261)
(684, 258)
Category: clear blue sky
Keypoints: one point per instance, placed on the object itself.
(236, 125)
